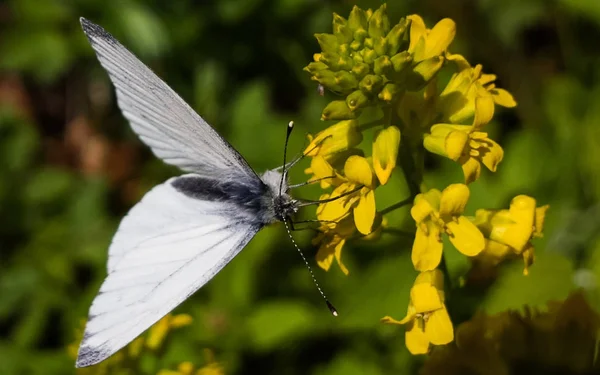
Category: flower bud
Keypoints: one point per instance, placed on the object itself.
(383, 65)
(379, 24)
(346, 80)
(400, 61)
(328, 42)
(336, 61)
(380, 46)
(357, 19)
(316, 66)
(390, 92)
(357, 100)
(360, 70)
(369, 55)
(355, 45)
(395, 37)
(337, 110)
(341, 30)
(371, 84)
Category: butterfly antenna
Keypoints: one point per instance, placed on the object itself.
(287, 138)
(329, 305)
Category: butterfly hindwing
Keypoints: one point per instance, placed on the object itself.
(157, 260)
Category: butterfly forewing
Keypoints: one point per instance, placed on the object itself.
(163, 120)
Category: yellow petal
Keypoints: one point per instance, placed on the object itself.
(494, 252)
(320, 168)
(338, 137)
(325, 255)
(181, 320)
(454, 199)
(438, 327)
(484, 110)
(465, 236)
(157, 333)
(425, 298)
(492, 154)
(440, 37)
(417, 31)
(421, 208)
(416, 340)
(471, 169)
(446, 141)
(434, 277)
(522, 212)
(338, 256)
(385, 153)
(503, 98)
(364, 212)
(427, 248)
(339, 208)
(358, 170)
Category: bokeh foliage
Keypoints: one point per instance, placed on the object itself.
(70, 168)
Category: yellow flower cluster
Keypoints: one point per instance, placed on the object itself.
(370, 62)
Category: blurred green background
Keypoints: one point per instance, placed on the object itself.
(70, 168)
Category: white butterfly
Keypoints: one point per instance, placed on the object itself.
(183, 231)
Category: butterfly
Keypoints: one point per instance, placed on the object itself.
(185, 230)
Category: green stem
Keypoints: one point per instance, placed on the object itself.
(399, 232)
(395, 206)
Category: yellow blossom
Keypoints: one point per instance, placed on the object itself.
(427, 319)
(509, 232)
(385, 152)
(158, 332)
(321, 170)
(358, 175)
(331, 241)
(338, 137)
(437, 213)
(427, 43)
(466, 144)
(457, 100)
(188, 368)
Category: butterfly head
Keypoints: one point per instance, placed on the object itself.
(283, 205)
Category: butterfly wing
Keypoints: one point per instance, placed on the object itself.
(173, 130)
(167, 247)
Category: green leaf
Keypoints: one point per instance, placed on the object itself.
(550, 278)
(276, 323)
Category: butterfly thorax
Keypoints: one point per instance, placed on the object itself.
(281, 205)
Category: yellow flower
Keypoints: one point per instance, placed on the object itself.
(436, 213)
(385, 152)
(509, 232)
(457, 100)
(331, 241)
(358, 172)
(465, 144)
(321, 169)
(188, 368)
(427, 319)
(338, 137)
(427, 43)
(158, 332)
